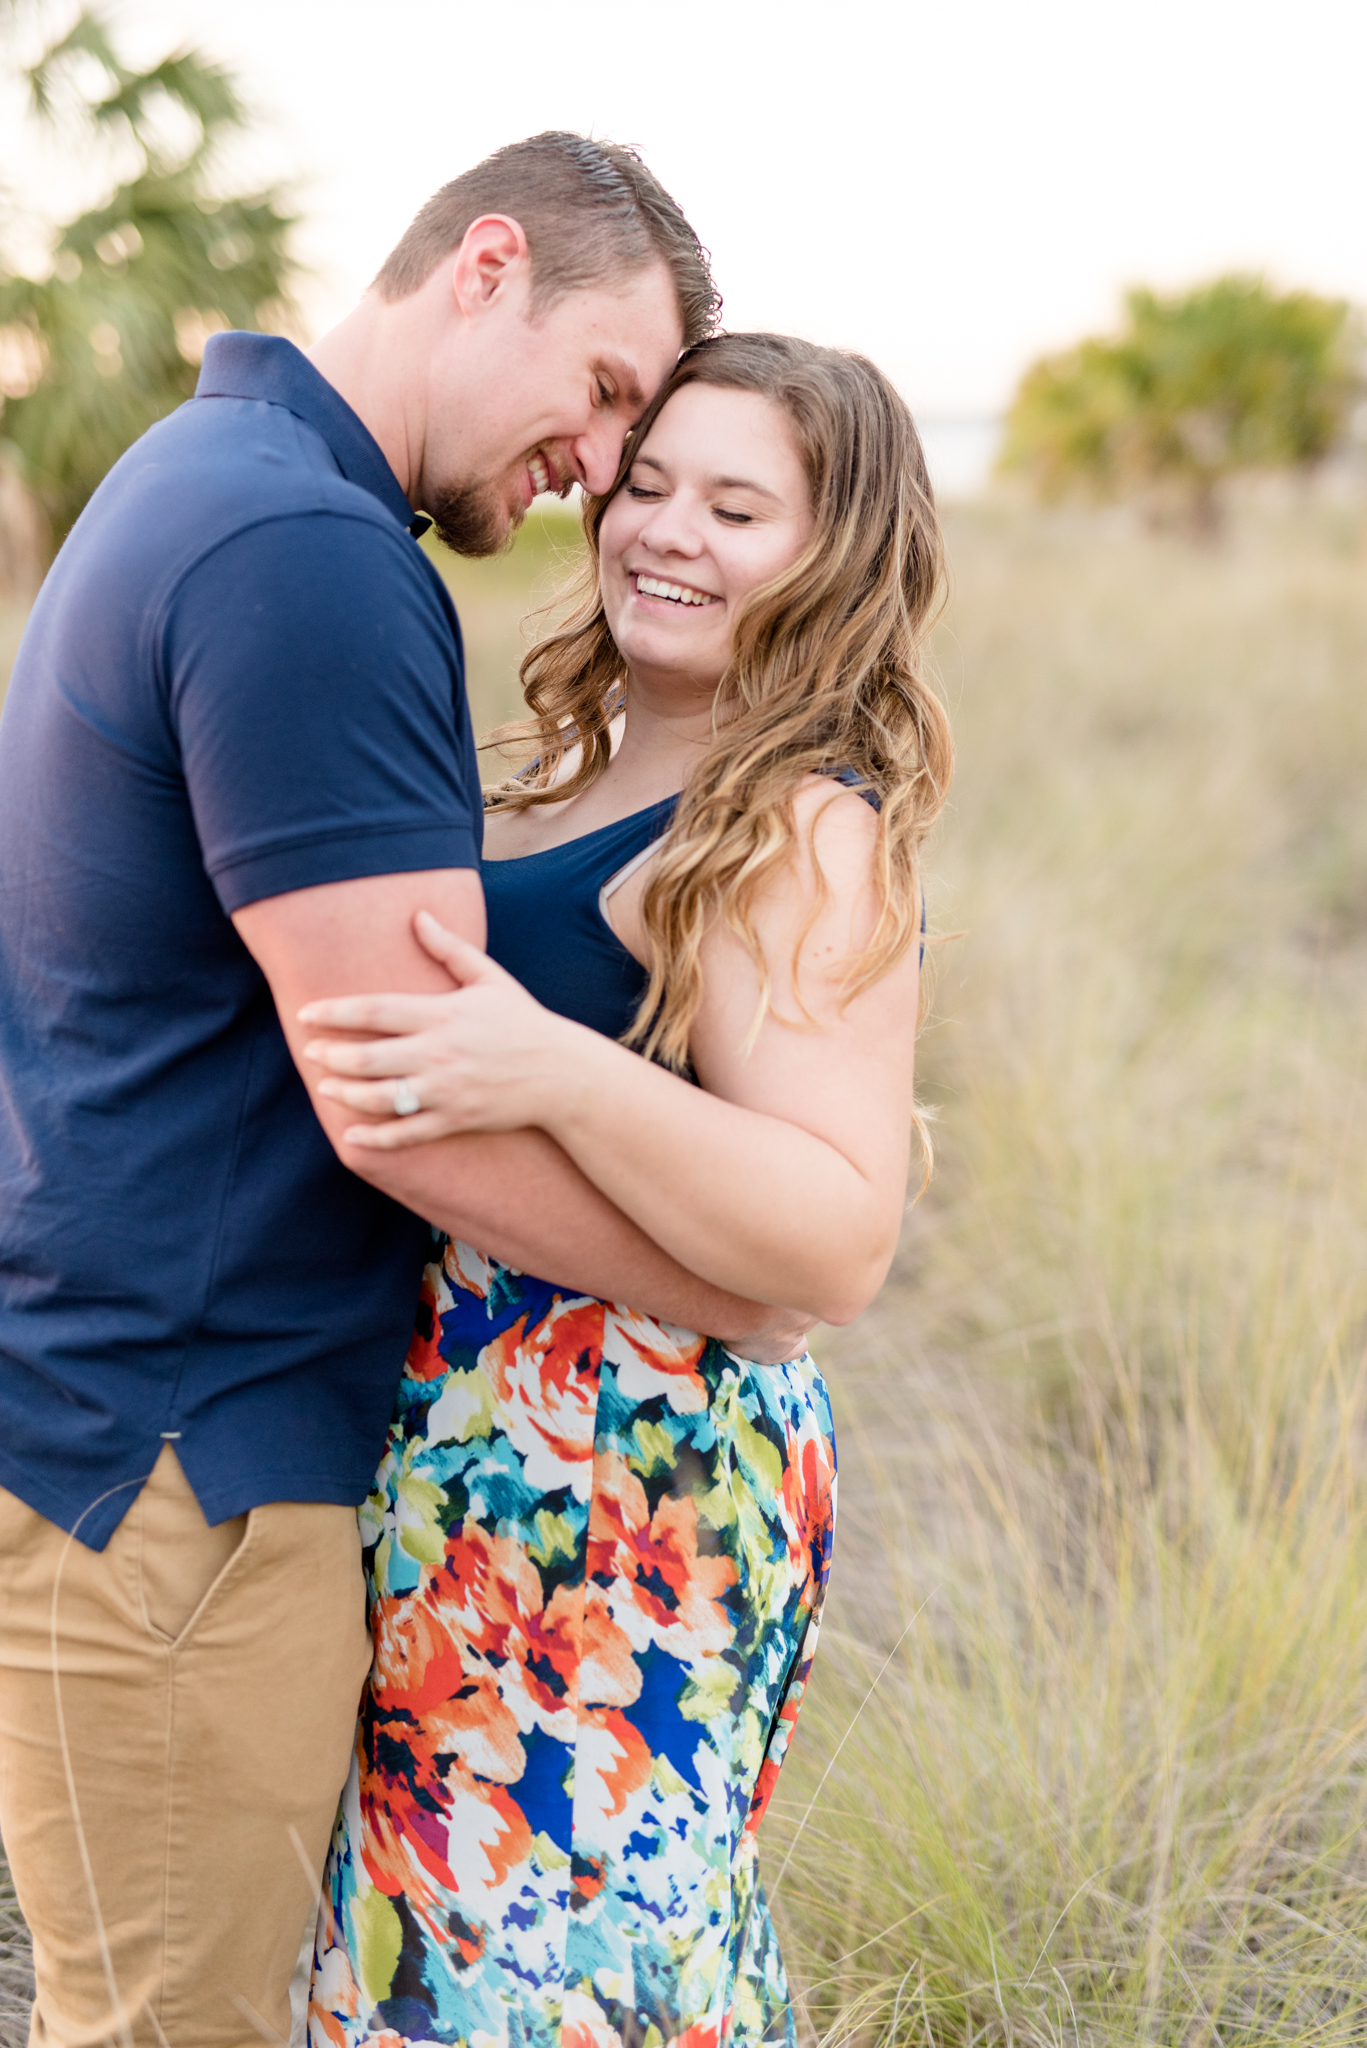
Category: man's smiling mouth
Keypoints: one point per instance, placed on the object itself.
(673, 593)
(544, 475)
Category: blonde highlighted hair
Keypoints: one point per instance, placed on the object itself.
(827, 674)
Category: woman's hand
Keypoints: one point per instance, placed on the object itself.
(487, 1057)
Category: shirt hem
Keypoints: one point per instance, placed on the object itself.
(357, 855)
(282, 1489)
(218, 1505)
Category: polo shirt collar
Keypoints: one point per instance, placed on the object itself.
(268, 367)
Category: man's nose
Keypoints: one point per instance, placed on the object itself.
(598, 455)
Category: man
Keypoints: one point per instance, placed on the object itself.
(235, 761)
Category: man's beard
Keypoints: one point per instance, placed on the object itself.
(474, 519)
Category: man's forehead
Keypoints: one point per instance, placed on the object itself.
(641, 326)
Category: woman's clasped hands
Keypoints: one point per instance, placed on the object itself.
(485, 1057)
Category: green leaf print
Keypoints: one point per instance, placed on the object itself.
(379, 1939)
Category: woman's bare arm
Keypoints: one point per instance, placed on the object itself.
(784, 1177)
(790, 1168)
(512, 1192)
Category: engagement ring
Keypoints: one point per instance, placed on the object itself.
(406, 1102)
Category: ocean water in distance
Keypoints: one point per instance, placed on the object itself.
(960, 450)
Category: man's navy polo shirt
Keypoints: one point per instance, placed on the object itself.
(241, 677)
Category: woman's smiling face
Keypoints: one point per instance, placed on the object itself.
(715, 503)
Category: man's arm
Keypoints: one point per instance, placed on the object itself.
(514, 1194)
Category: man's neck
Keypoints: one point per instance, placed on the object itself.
(363, 359)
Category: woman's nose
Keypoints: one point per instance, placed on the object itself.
(672, 528)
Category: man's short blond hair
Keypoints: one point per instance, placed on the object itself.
(592, 214)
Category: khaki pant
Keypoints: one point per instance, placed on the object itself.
(207, 1683)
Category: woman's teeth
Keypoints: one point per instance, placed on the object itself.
(677, 593)
(538, 469)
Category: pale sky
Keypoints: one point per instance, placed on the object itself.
(951, 188)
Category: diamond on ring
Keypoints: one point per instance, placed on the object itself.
(406, 1102)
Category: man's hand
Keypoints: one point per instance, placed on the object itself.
(778, 1335)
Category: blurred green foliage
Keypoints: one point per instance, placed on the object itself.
(109, 339)
(1232, 376)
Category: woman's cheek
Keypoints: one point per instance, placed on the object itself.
(614, 606)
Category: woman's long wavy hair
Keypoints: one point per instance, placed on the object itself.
(827, 674)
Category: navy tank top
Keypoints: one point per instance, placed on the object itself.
(546, 921)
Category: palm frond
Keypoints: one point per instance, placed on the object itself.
(113, 333)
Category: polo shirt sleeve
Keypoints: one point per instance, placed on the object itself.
(314, 679)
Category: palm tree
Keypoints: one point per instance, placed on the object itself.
(108, 340)
(1231, 377)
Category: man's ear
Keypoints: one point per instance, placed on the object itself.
(492, 256)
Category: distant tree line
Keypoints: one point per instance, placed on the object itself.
(105, 335)
(1194, 389)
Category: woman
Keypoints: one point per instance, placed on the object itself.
(598, 1545)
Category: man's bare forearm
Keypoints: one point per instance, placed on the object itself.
(517, 1197)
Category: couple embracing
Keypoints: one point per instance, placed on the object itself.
(296, 1026)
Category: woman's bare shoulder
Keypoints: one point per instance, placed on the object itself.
(837, 823)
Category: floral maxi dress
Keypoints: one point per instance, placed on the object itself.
(597, 1549)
